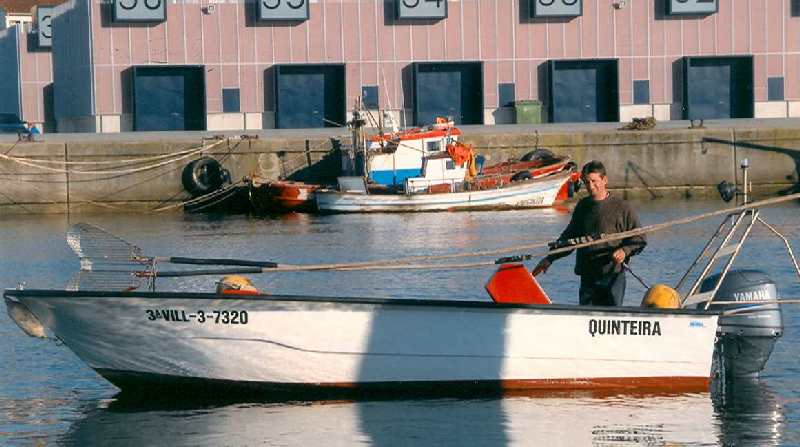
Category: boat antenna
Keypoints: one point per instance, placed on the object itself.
(386, 114)
(745, 185)
(358, 138)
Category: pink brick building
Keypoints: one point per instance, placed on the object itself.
(232, 65)
(26, 74)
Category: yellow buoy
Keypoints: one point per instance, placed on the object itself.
(236, 285)
(662, 296)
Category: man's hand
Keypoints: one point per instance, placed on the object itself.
(618, 256)
(541, 267)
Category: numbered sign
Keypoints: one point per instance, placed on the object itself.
(44, 26)
(139, 11)
(556, 8)
(692, 7)
(421, 9)
(282, 9)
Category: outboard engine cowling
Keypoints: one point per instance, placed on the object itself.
(748, 331)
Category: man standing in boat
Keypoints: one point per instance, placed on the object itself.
(599, 266)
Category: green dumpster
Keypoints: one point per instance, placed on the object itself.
(528, 111)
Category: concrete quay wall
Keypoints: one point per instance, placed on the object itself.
(130, 174)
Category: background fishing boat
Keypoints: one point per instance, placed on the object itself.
(443, 194)
(280, 196)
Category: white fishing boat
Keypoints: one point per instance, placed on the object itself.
(428, 169)
(148, 340)
(430, 193)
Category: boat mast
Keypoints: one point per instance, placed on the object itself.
(357, 125)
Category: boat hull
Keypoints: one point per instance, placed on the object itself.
(526, 194)
(302, 343)
(281, 196)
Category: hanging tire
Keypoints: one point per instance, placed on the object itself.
(203, 176)
(538, 154)
(521, 176)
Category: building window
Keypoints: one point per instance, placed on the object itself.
(230, 100)
(795, 8)
(505, 95)
(775, 89)
(369, 96)
(641, 92)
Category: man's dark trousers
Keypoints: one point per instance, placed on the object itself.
(606, 290)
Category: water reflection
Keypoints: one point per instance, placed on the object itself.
(687, 419)
(749, 413)
(468, 354)
(63, 393)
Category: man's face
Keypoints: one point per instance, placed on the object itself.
(596, 184)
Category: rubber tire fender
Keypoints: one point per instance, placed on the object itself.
(203, 176)
(538, 154)
(521, 176)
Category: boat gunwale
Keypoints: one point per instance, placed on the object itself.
(411, 302)
(549, 178)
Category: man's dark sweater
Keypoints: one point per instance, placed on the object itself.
(592, 217)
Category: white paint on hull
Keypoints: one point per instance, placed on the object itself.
(535, 193)
(313, 341)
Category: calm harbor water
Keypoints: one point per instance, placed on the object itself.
(47, 396)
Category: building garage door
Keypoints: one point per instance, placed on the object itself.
(718, 87)
(309, 96)
(448, 89)
(583, 90)
(169, 98)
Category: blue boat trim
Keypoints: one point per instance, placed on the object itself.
(394, 177)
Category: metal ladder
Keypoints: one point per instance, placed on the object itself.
(726, 248)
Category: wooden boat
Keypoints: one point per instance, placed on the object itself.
(450, 196)
(270, 196)
(451, 177)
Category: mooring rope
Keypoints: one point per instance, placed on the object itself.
(104, 162)
(412, 262)
(183, 155)
(217, 196)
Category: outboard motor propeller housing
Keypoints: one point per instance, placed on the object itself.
(748, 331)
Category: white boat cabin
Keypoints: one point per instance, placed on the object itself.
(437, 170)
(393, 158)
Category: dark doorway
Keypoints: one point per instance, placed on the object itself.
(49, 108)
(718, 87)
(583, 90)
(310, 96)
(453, 89)
(169, 98)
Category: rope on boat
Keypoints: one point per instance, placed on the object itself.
(411, 261)
(217, 196)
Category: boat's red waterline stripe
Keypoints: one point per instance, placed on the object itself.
(132, 381)
(671, 383)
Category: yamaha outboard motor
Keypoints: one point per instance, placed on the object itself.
(748, 331)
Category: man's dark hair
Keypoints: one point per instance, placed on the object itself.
(593, 167)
